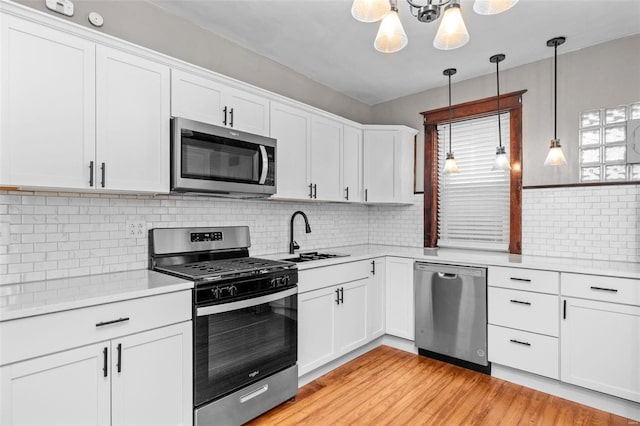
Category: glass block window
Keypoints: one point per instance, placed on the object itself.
(610, 144)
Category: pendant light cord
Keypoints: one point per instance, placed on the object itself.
(555, 91)
(498, 87)
(450, 113)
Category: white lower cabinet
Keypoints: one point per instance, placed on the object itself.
(375, 299)
(135, 377)
(600, 347)
(399, 315)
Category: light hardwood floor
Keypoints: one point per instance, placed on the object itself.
(387, 386)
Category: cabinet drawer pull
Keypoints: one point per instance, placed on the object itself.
(520, 302)
(612, 290)
(366, 195)
(346, 190)
(231, 117)
(519, 342)
(373, 267)
(103, 168)
(105, 364)
(310, 190)
(103, 323)
(524, 280)
(224, 120)
(91, 173)
(315, 191)
(337, 296)
(342, 295)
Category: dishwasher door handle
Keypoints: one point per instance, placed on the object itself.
(447, 275)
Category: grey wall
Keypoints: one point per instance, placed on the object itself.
(600, 76)
(147, 25)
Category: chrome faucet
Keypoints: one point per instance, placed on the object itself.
(292, 244)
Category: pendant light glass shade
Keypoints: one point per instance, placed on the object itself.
(391, 36)
(493, 7)
(555, 157)
(370, 10)
(450, 165)
(502, 161)
(452, 32)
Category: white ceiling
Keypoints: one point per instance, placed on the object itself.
(320, 39)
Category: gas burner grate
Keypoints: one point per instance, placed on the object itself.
(223, 267)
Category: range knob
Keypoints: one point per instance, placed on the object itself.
(232, 290)
(273, 283)
(285, 281)
(215, 292)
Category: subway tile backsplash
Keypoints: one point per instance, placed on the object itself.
(46, 235)
(592, 222)
(54, 235)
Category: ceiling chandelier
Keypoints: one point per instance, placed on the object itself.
(452, 32)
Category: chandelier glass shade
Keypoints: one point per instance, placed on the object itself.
(452, 32)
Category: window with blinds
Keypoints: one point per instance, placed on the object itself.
(473, 205)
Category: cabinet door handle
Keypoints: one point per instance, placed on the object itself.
(366, 195)
(612, 290)
(373, 267)
(224, 120)
(564, 309)
(231, 117)
(520, 302)
(310, 190)
(524, 280)
(115, 321)
(519, 342)
(346, 190)
(119, 363)
(90, 173)
(105, 366)
(342, 295)
(337, 296)
(315, 191)
(103, 168)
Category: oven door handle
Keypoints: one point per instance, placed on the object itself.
(240, 304)
(265, 165)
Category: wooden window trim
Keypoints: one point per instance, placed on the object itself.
(511, 102)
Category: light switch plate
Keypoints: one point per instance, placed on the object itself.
(64, 7)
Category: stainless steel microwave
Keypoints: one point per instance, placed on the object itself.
(214, 159)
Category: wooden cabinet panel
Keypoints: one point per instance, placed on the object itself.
(376, 299)
(379, 165)
(326, 152)
(523, 310)
(196, 98)
(598, 287)
(247, 112)
(352, 164)
(132, 122)
(316, 328)
(600, 347)
(524, 279)
(351, 316)
(47, 98)
(400, 316)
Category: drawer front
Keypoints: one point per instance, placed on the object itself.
(525, 351)
(599, 287)
(524, 310)
(524, 279)
(326, 276)
(39, 335)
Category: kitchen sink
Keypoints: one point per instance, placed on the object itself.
(314, 255)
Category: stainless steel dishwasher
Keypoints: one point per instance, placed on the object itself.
(451, 314)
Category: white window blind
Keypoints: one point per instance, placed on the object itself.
(473, 205)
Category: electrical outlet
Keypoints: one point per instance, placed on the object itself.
(136, 229)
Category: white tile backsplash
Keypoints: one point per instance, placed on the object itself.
(592, 222)
(54, 235)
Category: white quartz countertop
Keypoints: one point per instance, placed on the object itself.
(471, 257)
(44, 297)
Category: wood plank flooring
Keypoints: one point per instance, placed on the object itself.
(387, 386)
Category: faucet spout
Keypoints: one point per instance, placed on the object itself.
(292, 244)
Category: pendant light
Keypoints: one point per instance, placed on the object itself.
(391, 36)
(370, 10)
(452, 32)
(450, 165)
(555, 157)
(492, 7)
(501, 162)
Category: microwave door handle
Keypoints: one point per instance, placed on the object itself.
(265, 165)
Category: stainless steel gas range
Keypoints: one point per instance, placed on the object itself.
(245, 321)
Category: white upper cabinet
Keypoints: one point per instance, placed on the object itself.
(352, 164)
(47, 102)
(326, 150)
(132, 122)
(78, 116)
(291, 127)
(214, 102)
(388, 164)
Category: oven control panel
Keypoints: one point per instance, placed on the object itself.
(197, 237)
